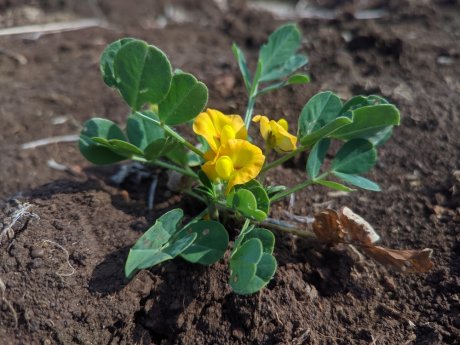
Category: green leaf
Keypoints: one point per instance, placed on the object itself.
(381, 137)
(159, 148)
(321, 109)
(354, 157)
(281, 46)
(358, 181)
(266, 269)
(204, 179)
(286, 68)
(361, 101)
(265, 236)
(334, 185)
(252, 202)
(143, 74)
(241, 59)
(272, 190)
(125, 148)
(239, 239)
(249, 251)
(106, 60)
(326, 131)
(245, 202)
(298, 79)
(178, 154)
(159, 243)
(119, 147)
(368, 121)
(316, 157)
(210, 244)
(95, 152)
(142, 132)
(254, 186)
(186, 99)
(193, 159)
(251, 268)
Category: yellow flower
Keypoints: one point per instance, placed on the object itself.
(218, 128)
(276, 134)
(237, 162)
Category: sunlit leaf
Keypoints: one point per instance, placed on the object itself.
(251, 268)
(298, 79)
(281, 46)
(141, 132)
(159, 243)
(242, 64)
(369, 121)
(358, 181)
(106, 60)
(321, 109)
(334, 185)
(265, 236)
(210, 244)
(142, 73)
(185, 100)
(285, 69)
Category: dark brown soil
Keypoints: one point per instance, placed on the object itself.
(62, 271)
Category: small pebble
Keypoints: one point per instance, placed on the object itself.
(37, 252)
(37, 263)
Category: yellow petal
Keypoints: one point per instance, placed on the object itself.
(285, 142)
(283, 123)
(209, 169)
(247, 160)
(224, 167)
(204, 126)
(213, 124)
(264, 125)
(227, 133)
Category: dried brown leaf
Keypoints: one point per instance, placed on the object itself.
(328, 228)
(408, 260)
(346, 226)
(359, 230)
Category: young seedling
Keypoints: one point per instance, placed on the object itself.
(226, 168)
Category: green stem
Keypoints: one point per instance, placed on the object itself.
(172, 133)
(252, 96)
(166, 165)
(196, 196)
(278, 225)
(297, 187)
(249, 111)
(198, 217)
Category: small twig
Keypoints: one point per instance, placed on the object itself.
(299, 219)
(152, 190)
(19, 58)
(67, 259)
(51, 140)
(48, 28)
